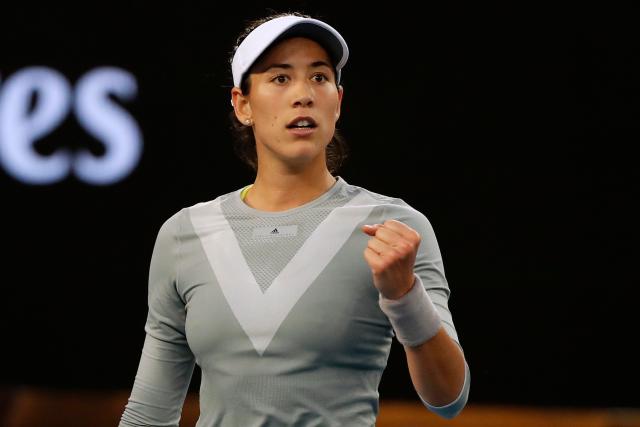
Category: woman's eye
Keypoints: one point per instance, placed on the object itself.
(320, 78)
(280, 79)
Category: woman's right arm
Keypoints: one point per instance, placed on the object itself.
(167, 364)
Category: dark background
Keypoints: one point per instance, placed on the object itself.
(512, 130)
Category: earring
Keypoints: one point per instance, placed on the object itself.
(248, 122)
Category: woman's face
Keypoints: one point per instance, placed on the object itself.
(293, 102)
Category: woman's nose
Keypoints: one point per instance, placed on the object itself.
(303, 95)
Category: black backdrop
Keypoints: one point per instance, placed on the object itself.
(512, 130)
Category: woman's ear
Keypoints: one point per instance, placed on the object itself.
(340, 95)
(241, 105)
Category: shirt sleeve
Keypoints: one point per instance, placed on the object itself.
(428, 265)
(167, 363)
(430, 268)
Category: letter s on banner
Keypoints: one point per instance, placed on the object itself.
(109, 123)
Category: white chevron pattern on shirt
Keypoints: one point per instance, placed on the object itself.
(261, 314)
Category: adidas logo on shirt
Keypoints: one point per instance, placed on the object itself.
(277, 231)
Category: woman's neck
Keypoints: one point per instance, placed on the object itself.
(278, 191)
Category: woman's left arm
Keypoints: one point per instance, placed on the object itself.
(437, 366)
(439, 373)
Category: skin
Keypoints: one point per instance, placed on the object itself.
(295, 79)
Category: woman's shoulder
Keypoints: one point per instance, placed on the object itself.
(390, 202)
(175, 222)
(395, 207)
(220, 198)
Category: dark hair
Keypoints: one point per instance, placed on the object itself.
(244, 143)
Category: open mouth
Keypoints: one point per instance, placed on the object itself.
(302, 123)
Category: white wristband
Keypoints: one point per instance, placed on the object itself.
(413, 316)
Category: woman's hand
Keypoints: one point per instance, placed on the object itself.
(391, 254)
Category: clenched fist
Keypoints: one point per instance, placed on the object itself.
(391, 254)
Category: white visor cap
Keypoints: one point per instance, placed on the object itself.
(288, 26)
